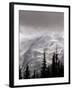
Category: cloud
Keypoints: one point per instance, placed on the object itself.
(41, 19)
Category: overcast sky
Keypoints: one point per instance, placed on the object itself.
(36, 21)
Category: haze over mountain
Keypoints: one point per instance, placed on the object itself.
(32, 49)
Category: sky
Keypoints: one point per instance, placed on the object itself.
(35, 22)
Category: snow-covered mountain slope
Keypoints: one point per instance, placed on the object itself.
(31, 50)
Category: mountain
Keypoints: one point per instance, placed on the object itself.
(32, 51)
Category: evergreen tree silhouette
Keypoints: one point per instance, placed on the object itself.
(57, 67)
(53, 65)
(20, 77)
(43, 69)
(48, 73)
(57, 63)
(34, 74)
(61, 70)
(37, 75)
(27, 73)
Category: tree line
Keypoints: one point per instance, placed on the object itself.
(56, 69)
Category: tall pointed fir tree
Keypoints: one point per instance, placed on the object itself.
(27, 73)
(53, 64)
(34, 74)
(56, 56)
(48, 73)
(57, 61)
(37, 75)
(43, 68)
(20, 77)
(61, 70)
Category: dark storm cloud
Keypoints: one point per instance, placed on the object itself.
(35, 19)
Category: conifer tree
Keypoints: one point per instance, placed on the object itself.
(20, 77)
(27, 73)
(61, 70)
(53, 65)
(43, 69)
(48, 74)
(34, 74)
